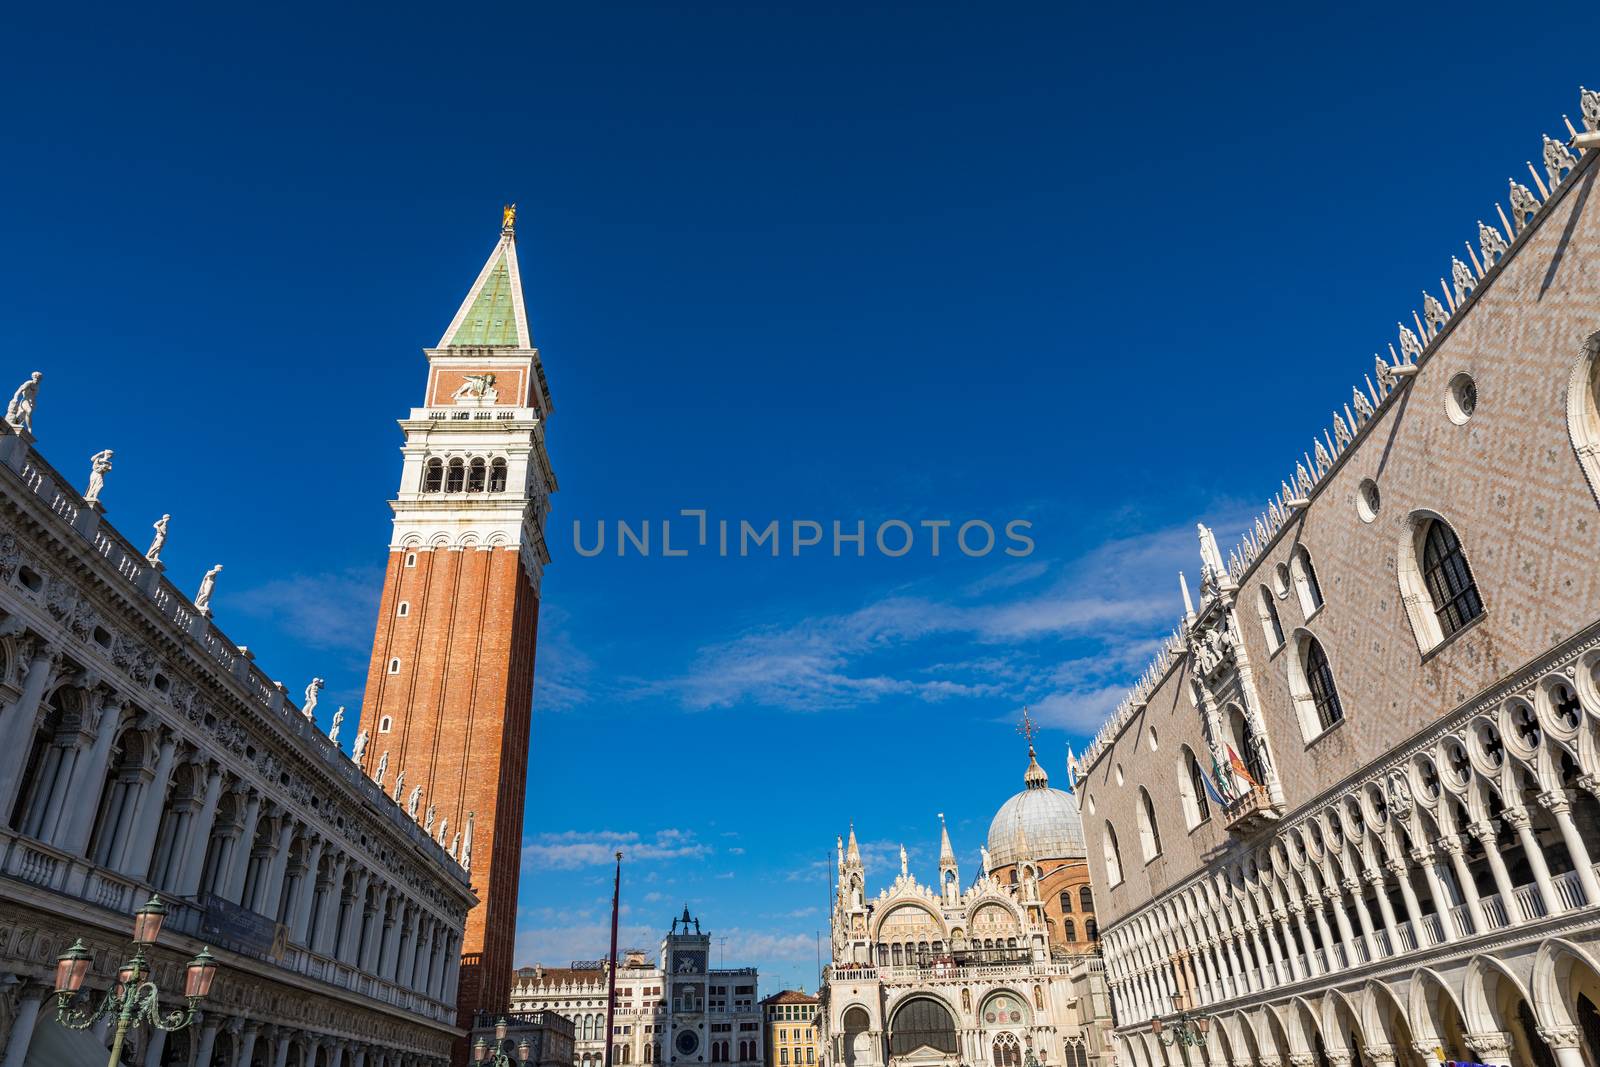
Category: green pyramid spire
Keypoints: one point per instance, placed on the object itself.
(493, 313)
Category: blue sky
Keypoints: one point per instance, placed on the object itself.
(1102, 271)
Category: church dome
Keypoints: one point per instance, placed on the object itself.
(1038, 823)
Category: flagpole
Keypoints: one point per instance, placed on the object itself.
(611, 974)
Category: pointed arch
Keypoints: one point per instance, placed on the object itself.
(1583, 411)
(1562, 971)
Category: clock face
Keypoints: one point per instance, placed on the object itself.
(687, 1042)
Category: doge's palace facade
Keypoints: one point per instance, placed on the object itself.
(1382, 710)
(142, 751)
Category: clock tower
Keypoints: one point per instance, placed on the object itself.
(685, 957)
(450, 685)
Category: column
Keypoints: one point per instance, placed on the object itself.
(194, 858)
(152, 799)
(1559, 804)
(300, 921)
(1441, 899)
(1564, 1042)
(353, 917)
(359, 1056)
(270, 893)
(90, 778)
(48, 829)
(1364, 917)
(1518, 818)
(247, 1045)
(241, 853)
(28, 1002)
(1469, 888)
(1374, 877)
(154, 1047)
(1493, 1049)
(328, 917)
(280, 1049)
(336, 1055)
(309, 1052)
(405, 963)
(1319, 913)
(1309, 956)
(207, 1042)
(1408, 898)
(1484, 832)
(17, 722)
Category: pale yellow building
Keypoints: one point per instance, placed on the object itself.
(791, 1029)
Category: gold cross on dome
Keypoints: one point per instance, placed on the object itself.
(1026, 727)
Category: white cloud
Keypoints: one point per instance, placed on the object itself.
(572, 849)
(332, 610)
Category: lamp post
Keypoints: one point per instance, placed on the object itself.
(1188, 1030)
(499, 1053)
(134, 997)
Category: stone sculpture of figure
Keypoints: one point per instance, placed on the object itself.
(904, 869)
(444, 828)
(1461, 275)
(454, 843)
(399, 783)
(983, 859)
(153, 553)
(99, 464)
(466, 844)
(383, 768)
(476, 387)
(359, 749)
(966, 999)
(19, 412)
(338, 721)
(312, 690)
(427, 822)
(413, 799)
(208, 585)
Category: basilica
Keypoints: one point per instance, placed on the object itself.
(1005, 971)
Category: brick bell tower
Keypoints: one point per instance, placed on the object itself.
(450, 687)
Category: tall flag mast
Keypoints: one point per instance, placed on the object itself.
(611, 975)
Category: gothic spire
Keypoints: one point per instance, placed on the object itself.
(947, 855)
(852, 852)
(493, 313)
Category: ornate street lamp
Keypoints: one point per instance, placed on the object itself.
(1188, 1029)
(134, 998)
(500, 1050)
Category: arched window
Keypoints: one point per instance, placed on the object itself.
(1319, 678)
(1086, 899)
(1448, 578)
(1192, 788)
(1305, 581)
(1069, 930)
(1091, 929)
(1113, 856)
(1066, 902)
(455, 476)
(1271, 627)
(922, 1022)
(1583, 411)
(477, 473)
(1149, 833)
(497, 476)
(1007, 1052)
(433, 476)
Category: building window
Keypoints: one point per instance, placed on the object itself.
(404, 609)
(1069, 930)
(1305, 581)
(497, 476)
(394, 665)
(476, 476)
(1066, 902)
(1448, 578)
(1192, 787)
(1113, 856)
(455, 477)
(922, 1023)
(1086, 898)
(385, 724)
(1271, 626)
(1149, 833)
(1324, 694)
(433, 476)
(411, 559)
(1091, 929)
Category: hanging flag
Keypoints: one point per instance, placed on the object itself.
(1211, 788)
(1240, 773)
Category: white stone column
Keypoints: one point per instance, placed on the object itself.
(1484, 832)
(154, 1047)
(17, 722)
(199, 837)
(1523, 824)
(89, 782)
(207, 1042)
(328, 918)
(152, 799)
(1469, 888)
(349, 934)
(1564, 1042)
(1330, 958)
(1559, 804)
(280, 1050)
(1374, 877)
(72, 754)
(28, 1002)
(271, 891)
(1425, 859)
(241, 852)
(247, 1045)
(1364, 917)
(299, 927)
